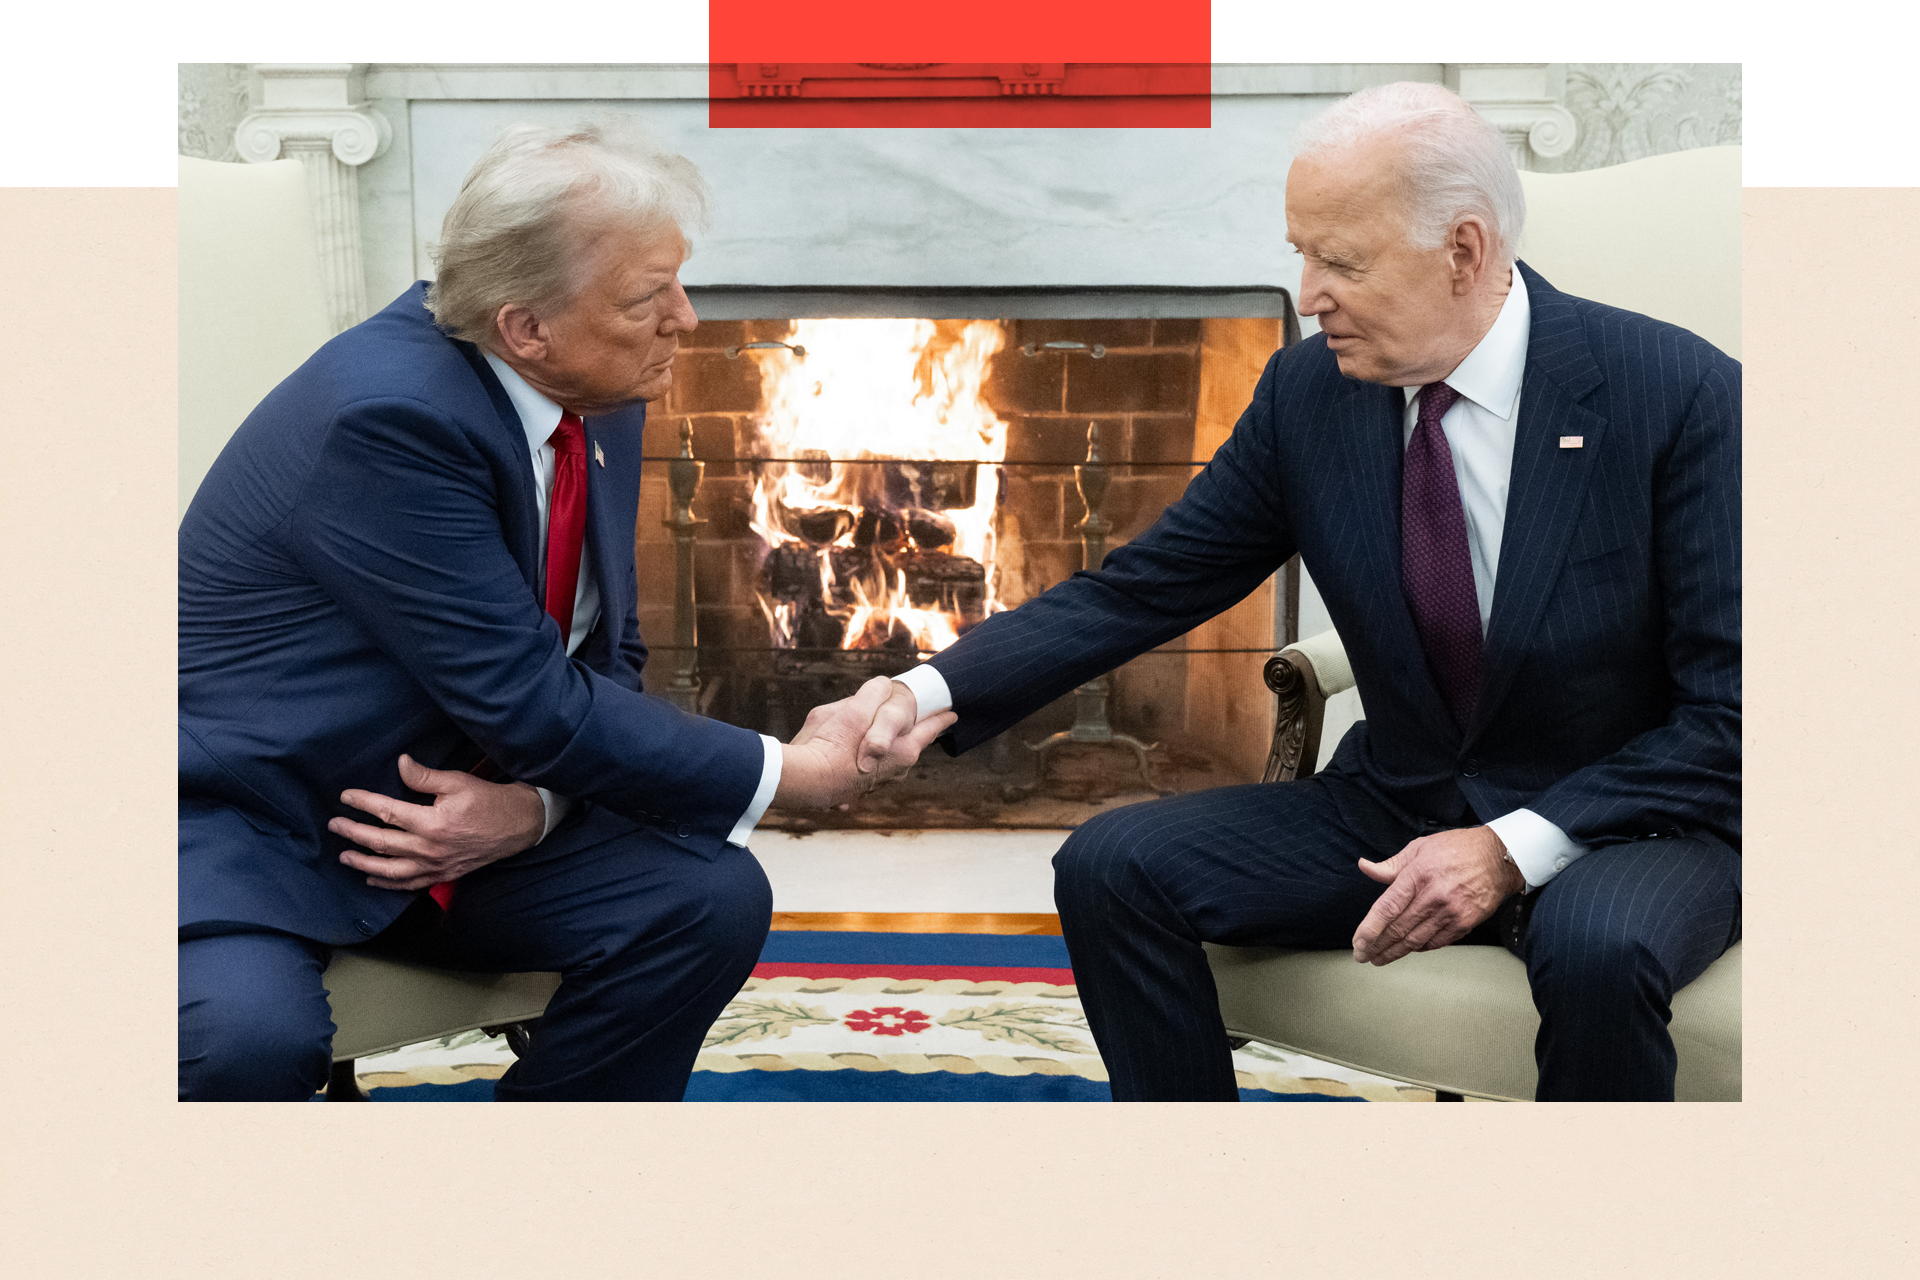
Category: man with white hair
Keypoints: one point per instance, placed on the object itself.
(1523, 512)
(411, 573)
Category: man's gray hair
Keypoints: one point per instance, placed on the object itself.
(530, 206)
(1452, 162)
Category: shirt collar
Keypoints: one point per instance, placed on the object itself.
(538, 415)
(1490, 375)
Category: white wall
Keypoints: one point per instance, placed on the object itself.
(921, 207)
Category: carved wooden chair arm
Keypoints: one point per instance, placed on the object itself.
(1303, 676)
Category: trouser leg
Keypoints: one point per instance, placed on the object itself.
(652, 941)
(1609, 942)
(254, 1021)
(1140, 889)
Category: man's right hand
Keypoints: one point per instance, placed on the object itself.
(847, 748)
(469, 824)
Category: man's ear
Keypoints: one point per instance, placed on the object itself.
(521, 332)
(1469, 254)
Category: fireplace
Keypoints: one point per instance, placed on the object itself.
(878, 473)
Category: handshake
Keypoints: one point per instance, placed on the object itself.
(844, 750)
(847, 748)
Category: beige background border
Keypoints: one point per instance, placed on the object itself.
(106, 1175)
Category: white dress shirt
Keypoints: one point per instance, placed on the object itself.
(1480, 429)
(539, 417)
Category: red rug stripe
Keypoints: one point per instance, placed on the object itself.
(932, 972)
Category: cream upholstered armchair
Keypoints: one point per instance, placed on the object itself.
(1660, 236)
(252, 309)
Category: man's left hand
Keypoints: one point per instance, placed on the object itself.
(469, 824)
(1438, 888)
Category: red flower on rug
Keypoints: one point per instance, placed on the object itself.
(888, 1020)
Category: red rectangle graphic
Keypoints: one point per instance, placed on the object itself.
(959, 94)
(977, 31)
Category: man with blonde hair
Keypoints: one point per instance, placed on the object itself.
(410, 700)
(1523, 512)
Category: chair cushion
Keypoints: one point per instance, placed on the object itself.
(1660, 236)
(1328, 657)
(1460, 1018)
(253, 305)
(381, 1004)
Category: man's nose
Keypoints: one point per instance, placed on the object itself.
(680, 317)
(1313, 293)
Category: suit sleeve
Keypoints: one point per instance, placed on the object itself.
(398, 524)
(1226, 535)
(1683, 775)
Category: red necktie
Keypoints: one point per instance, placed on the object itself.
(566, 519)
(1436, 566)
(566, 531)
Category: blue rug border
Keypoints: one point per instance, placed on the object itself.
(995, 950)
(850, 1086)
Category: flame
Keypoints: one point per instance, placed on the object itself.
(892, 389)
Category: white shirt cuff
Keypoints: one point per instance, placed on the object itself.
(757, 807)
(1540, 849)
(929, 688)
(555, 807)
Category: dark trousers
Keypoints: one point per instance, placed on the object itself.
(1608, 941)
(651, 938)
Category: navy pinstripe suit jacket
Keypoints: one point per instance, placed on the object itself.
(1610, 696)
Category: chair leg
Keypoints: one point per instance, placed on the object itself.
(342, 1086)
(519, 1035)
(1444, 1095)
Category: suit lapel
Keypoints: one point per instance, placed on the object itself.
(519, 508)
(601, 551)
(1547, 490)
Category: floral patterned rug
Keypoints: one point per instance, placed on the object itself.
(846, 1017)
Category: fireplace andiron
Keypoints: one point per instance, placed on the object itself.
(683, 478)
(1090, 723)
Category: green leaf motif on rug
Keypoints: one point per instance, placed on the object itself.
(747, 1020)
(1041, 1026)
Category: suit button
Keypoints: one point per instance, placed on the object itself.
(1471, 769)
(365, 927)
(684, 831)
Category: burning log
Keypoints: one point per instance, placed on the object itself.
(885, 633)
(947, 583)
(940, 486)
(930, 530)
(822, 526)
(792, 573)
(879, 530)
(818, 629)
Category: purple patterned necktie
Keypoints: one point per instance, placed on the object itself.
(1436, 569)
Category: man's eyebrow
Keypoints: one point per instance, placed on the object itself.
(649, 285)
(1339, 257)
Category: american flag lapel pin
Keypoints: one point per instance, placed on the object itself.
(1566, 442)
(601, 458)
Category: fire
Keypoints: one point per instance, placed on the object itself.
(866, 554)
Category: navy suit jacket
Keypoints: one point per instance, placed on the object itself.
(359, 577)
(1610, 694)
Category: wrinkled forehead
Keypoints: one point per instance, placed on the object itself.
(625, 247)
(1334, 193)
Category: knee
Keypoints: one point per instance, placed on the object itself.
(235, 1050)
(1104, 855)
(1592, 959)
(736, 907)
